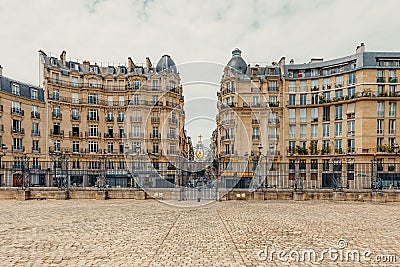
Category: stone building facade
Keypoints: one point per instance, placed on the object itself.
(322, 118)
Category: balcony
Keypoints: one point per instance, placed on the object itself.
(272, 88)
(136, 135)
(17, 111)
(230, 105)
(339, 85)
(75, 134)
(172, 136)
(173, 121)
(75, 118)
(56, 115)
(35, 115)
(273, 104)
(92, 134)
(109, 135)
(110, 119)
(92, 118)
(19, 149)
(136, 119)
(155, 119)
(35, 150)
(35, 133)
(59, 133)
(273, 136)
(255, 137)
(314, 88)
(228, 122)
(17, 130)
(155, 136)
(227, 137)
(380, 79)
(393, 80)
(255, 121)
(120, 119)
(273, 121)
(172, 104)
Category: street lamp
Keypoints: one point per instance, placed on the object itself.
(336, 177)
(2, 154)
(100, 179)
(298, 178)
(375, 181)
(25, 171)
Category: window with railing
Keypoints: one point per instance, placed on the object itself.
(352, 78)
(351, 92)
(326, 129)
(292, 100)
(292, 131)
(392, 127)
(380, 109)
(338, 129)
(303, 131)
(338, 112)
(314, 131)
(292, 86)
(392, 109)
(351, 128)
(303, 99)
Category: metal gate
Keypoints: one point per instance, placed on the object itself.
(197, 193)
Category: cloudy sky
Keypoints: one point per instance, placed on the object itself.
(190, 31)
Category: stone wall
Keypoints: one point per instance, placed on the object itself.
(174, 194)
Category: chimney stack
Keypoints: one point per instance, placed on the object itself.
(360, 48)
(63, 57)
(131, 65)
(148, 64)
(291, 61)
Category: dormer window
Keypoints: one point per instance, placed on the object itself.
(74, 66)
(53, 61)
(110, 70)
(122, 70)
(94, 69)
(136, 84)
(34, 93)
(15, 89)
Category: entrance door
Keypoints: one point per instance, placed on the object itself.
(17, 180)
(327, 180)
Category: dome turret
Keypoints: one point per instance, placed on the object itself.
(166, 63)
(237, 62)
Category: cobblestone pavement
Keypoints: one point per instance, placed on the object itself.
(233, 233)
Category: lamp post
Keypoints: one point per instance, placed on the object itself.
(259, 165)
(100, 179)
(298, 179)
(373, 175)
(2, 154)
(25, 171)
(336, 179)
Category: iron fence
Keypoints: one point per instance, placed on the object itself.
(253, 175)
